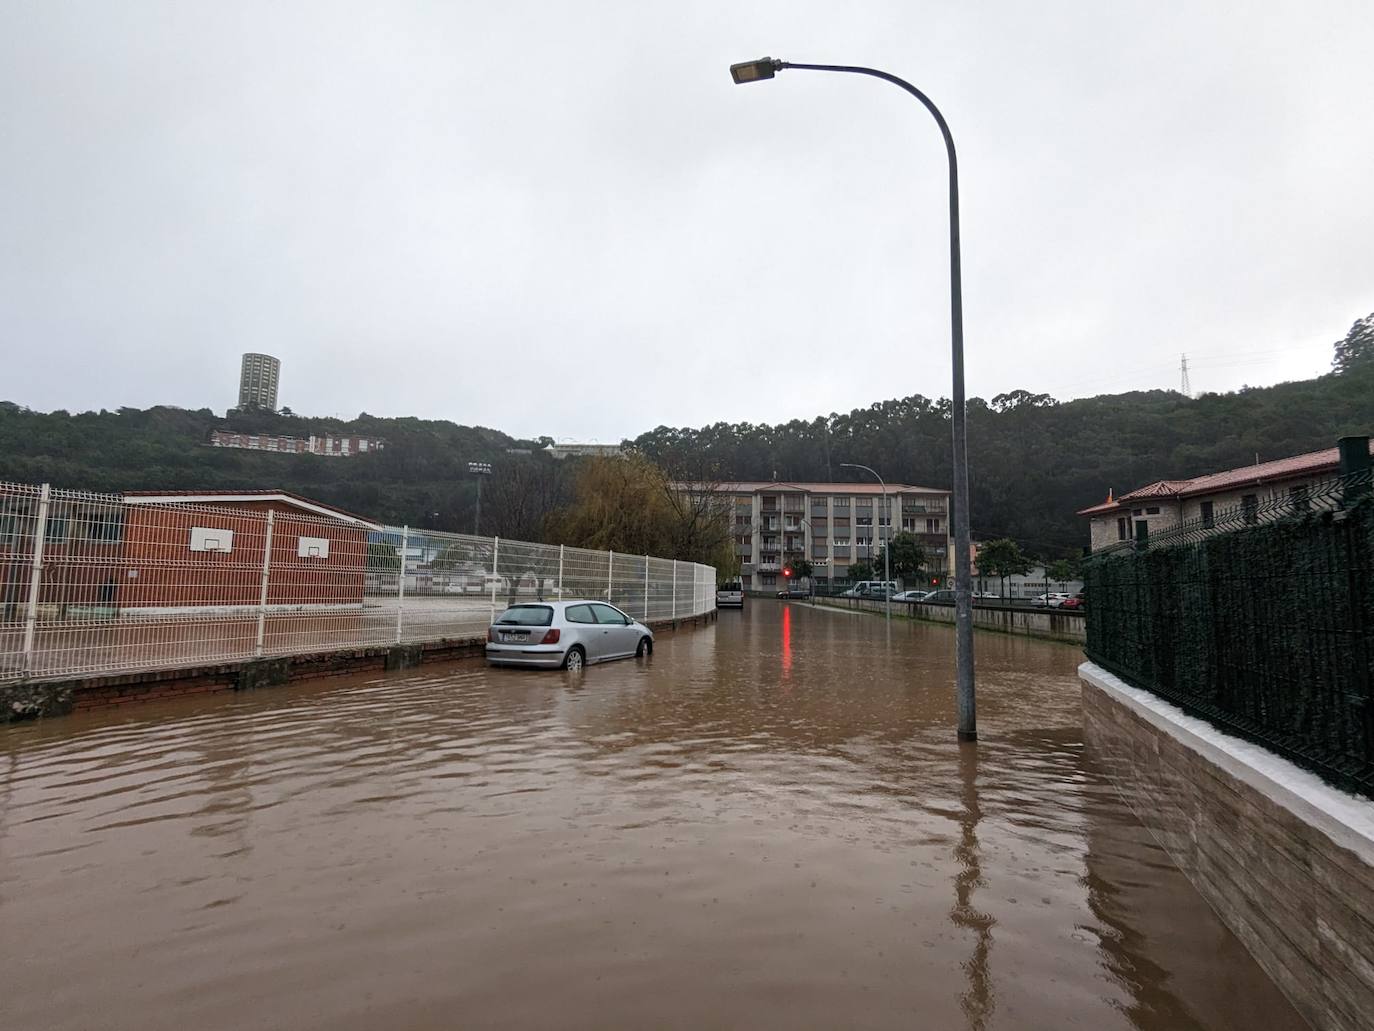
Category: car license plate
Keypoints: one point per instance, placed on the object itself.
(514, 638)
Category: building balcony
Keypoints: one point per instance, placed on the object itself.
(766, 566)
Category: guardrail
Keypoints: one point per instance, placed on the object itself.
(97, 584)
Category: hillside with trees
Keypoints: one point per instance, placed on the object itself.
(419, 478)
(1033, 461)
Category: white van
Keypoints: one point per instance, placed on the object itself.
(730, 595)
(872, 589)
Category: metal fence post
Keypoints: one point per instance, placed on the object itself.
(266, 574)
(560, 572)
(401, 580)
(675, 588)
(40, 533)
(610, 575)
(646, 588)
(495, 557)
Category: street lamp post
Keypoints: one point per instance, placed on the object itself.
(887, 564)
(767, 68)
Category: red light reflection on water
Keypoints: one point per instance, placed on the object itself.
(787, 640)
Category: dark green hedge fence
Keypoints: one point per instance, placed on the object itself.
(1266, 631)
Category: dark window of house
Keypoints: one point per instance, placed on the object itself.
(1152, 511)
(106, 526)
(1206, 507)
(1123, 528)
(1136, 512)
(1250, 508)
(1142, 531)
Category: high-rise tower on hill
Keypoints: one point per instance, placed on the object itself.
(258, 381)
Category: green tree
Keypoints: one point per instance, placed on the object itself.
(1062, 570)
(799, 567)
(629, 505)
(861, 570)
(907, 558)
(1002, 558)
(1358, 346)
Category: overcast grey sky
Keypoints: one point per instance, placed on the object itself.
(564, 219)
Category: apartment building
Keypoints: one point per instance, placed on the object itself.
(831, 525)
(258, 376)
(1246, 490)
(329, 445)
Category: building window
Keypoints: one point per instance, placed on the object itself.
(932, 526)
(106, 526)
(841, 542)
(1152, 511)
(1136, 512)
(1206, 510)
(768, 580)
(841, 503)
(863, 520)
(1249, 506)
(1123, 528)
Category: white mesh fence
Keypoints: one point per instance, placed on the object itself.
(96, 584)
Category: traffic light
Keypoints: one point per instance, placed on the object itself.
(787, 573)
(935, 581)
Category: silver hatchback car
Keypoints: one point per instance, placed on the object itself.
(565, 634)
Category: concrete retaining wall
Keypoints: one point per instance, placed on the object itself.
(19, 701)
(1286, 860)
(1047, 623)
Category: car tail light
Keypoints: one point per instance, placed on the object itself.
(551, 637)
(491, 634)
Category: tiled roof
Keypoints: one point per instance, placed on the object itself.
(1158, 489)
(1327, 461)
(1318, 463)
(1106, 506)
(222, 497)
(777, 486)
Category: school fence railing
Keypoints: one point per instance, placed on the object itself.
(97, 584)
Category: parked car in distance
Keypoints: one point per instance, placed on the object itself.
(944, 596)
(565, 635)
(1078, 602)
(1049, 601)
(730, 595)
(871, 589)
(795, 591)
(910, 596)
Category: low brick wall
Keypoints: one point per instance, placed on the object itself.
(23, 700)
(1045, 623)
(1286, 860)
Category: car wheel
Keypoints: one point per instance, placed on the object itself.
(646, 647)
(575, 659)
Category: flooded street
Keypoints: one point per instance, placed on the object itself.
(767, 824)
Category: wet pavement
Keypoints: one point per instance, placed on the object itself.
(767, 824)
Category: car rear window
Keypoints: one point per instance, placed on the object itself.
(728, 587)
(526, 615)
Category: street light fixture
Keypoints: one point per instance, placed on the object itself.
(887, 564)
(767, 68)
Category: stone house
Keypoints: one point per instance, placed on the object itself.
(1250, 489)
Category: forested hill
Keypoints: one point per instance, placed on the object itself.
(419, 478)
(1033, 462)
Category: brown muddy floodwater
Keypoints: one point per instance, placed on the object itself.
(768, 824)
